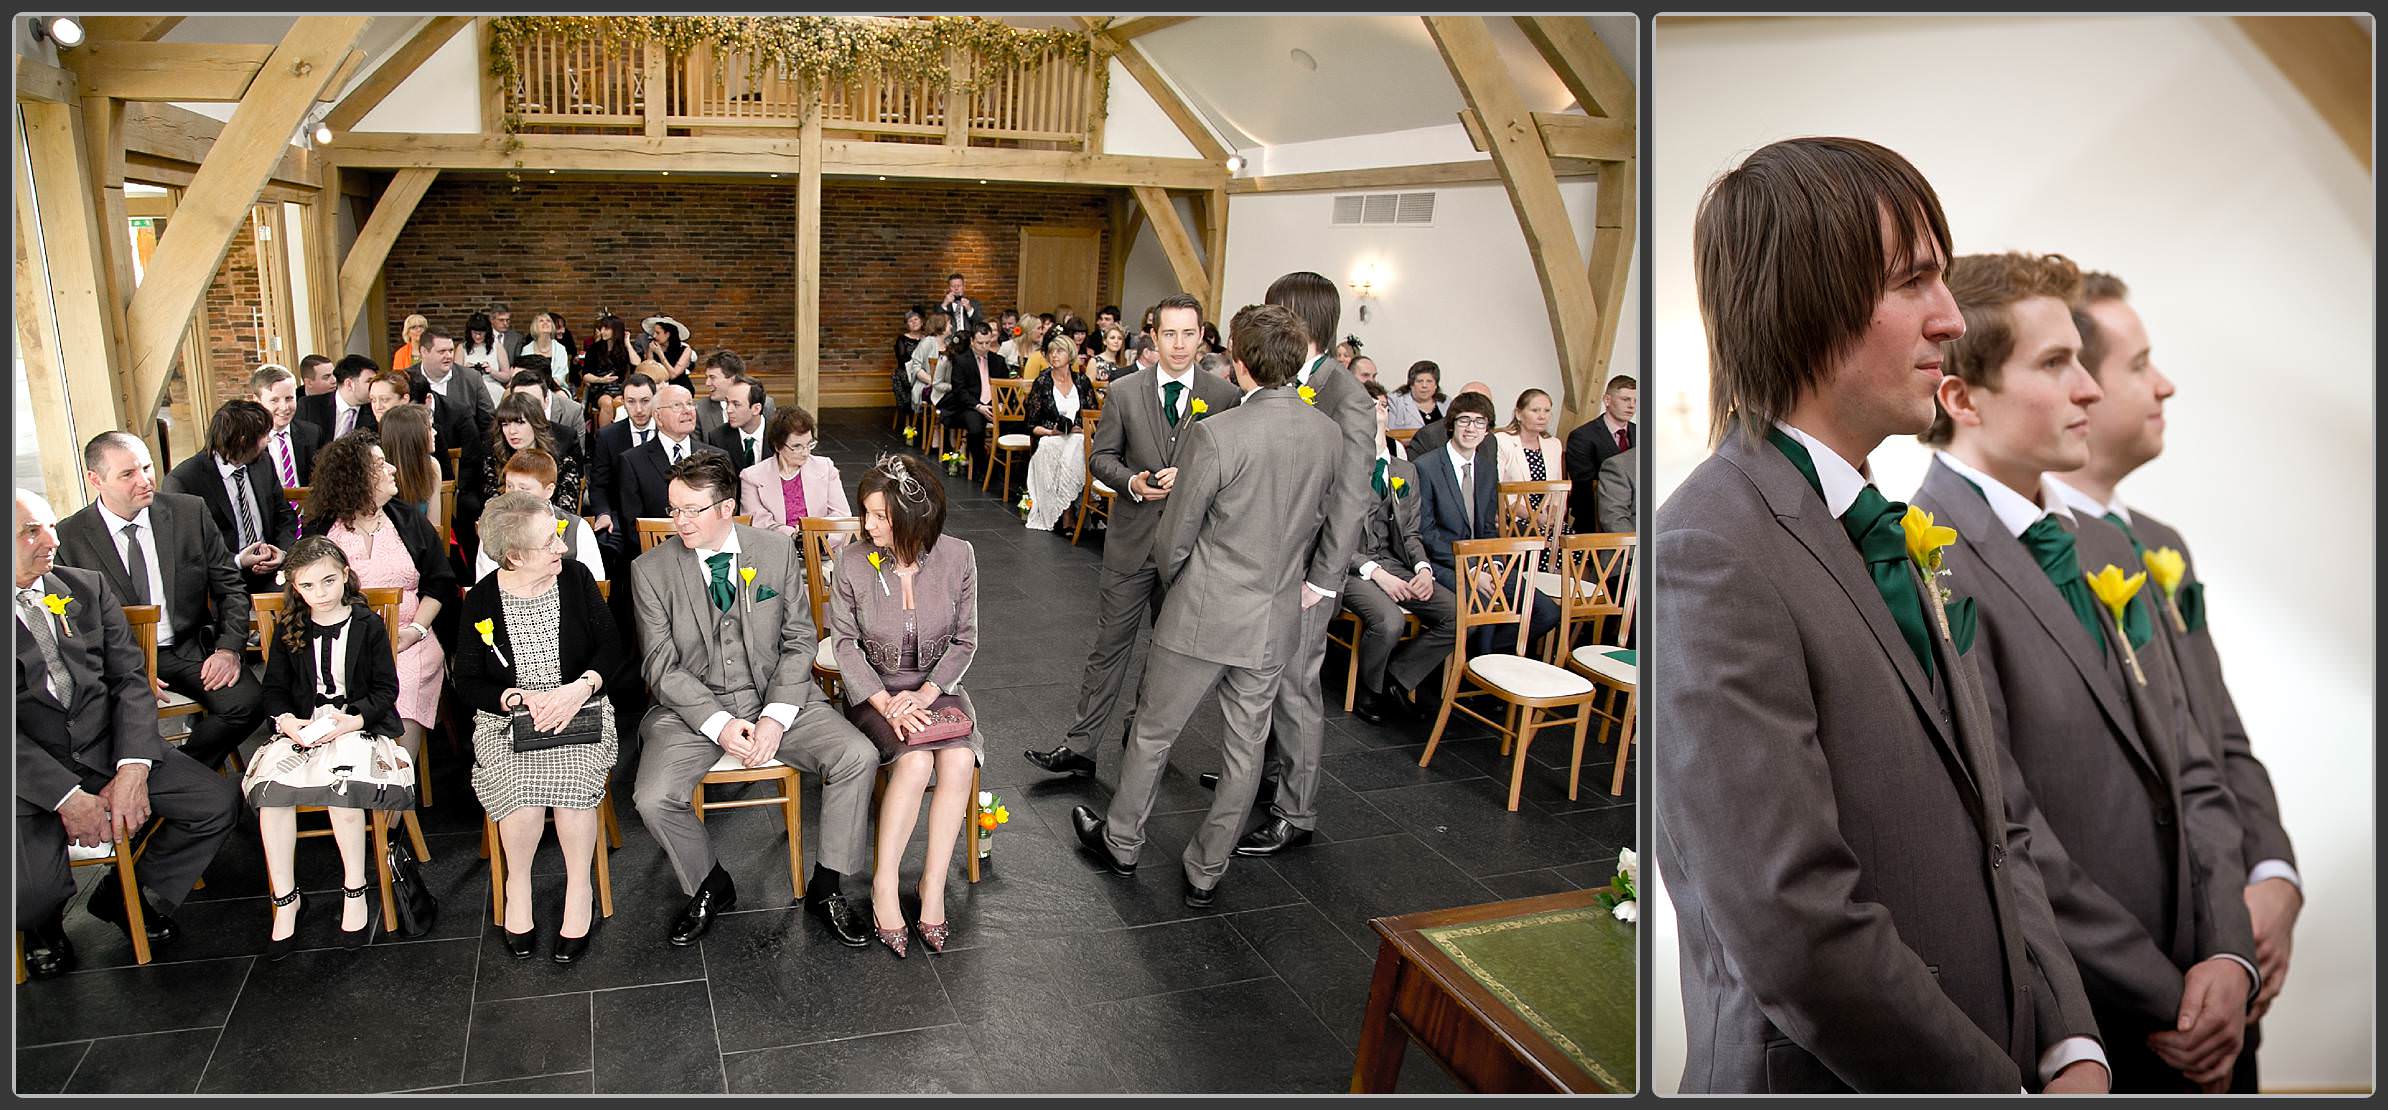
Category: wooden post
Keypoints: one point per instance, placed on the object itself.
(1177, 244)
(70, 235)
(1214, 204)
(657, 96)
(957, 98)
(102, 126)
(1613, 211)
(37, 345)
(493, 95)
(362, 267)
(808, 261)
(323, 266)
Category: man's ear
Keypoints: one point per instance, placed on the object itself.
(1957, 399)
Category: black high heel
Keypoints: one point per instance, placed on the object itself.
(276, 949)
(354, 938)
(571, 949)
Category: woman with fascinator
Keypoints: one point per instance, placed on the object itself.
(903, 622)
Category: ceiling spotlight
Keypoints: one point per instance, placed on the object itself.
(1235, 163)
(667, 173)
(66, 31)
(982, 181)
(775, 175)
(551, 171)
(323, 134)
(882, 177)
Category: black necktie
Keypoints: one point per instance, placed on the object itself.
(136, 566)
(241, 505)
(674, 451)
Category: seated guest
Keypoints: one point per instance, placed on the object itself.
(1615, 510)
(331, 692)
(315, 375)
(721, 369)
(565, 417)
(158, 548)
(520, 425)
(667, 344)
(1434, 436)
(729, 663)
(925, 370)
(1112, 359)
(1378, 589)
(242, 491)
(599, 375)
(546, 341)
(1528, 453)
(643, 484)
(387, 391)
(1363, 369)
(550, 649)
(480, 349)
(635, 426)
(1593, 443)
(900, 649)
(534, 471)
(915, 330)
(1211, 362)
(1420, 403)
(971, 369)
(740, 433)
(412, 446)
(90, 767)
(410, 346)
(348, 406)
(389, 546)
(780, 491)
(1057, 471)
(1460, 500)
(290, 447)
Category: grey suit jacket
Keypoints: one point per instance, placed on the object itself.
(2217, 715)
(111, 716)
(1133, 436)
(676, 619)
(2098, 772)
(205, 596)
(1389, 527)
(1859, 910)
(1613, 510)
(1340, 396)
(1249, 504)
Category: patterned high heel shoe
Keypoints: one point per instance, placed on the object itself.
(354, 938)
(934, 936)
(275, 949)
(894, 939)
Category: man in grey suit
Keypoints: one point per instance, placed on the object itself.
(1234, 541)
(2126, 432)
(1859, 909)
(90, 766)
(722, 368)
(2144, 869)
(1136, 451)
(1392, 574)
(730, 665)
(1614, 511)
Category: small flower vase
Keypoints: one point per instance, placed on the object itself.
(952, 466)
(986, 843)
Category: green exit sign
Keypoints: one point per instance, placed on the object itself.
(141, 221)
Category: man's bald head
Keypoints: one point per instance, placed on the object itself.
(37, 536)
(1476, 387)
(675, 411)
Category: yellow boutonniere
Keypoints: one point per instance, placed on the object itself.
(488, 630)
(911, 433)
(2115, 592)
(1398, 483)
(1309, 396)
(747, 573)
(879, 568)
(56, 604)
(2169, 567)
(1201, 407)
(561, 525)
(1925, 539)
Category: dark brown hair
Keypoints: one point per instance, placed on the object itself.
(1313, 300)
(1179, 301)
(238, 425)
(295, 614)
(1789, 253)
(706, 470)
(785, 422)
(1621, 381)
(1469, 404)
(515, 406)
(342, 486)
(916, 522)
(1986, 286)
(406, 440)
(2096, 285)
(1270, 341)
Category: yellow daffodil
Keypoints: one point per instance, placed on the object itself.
(2168, 567)
(561, 525)
(1201, 406)
(488, 630)
(911, 433)
(1398, 483)
(1309, 395)
(875, 560)
(2113, 589)
(57, 603)
(748, 574)
(1925, 540)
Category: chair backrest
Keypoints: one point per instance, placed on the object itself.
(1011, 398)
(1597, 570)
(296, 493)
(144, 621)
(455, 459)
(266, 612)
(813, 534)
(1401, 434)
(1087, 419)
(1508, 562)
(1518, 514)
(388, 601)
(443, 508)
(605, 588)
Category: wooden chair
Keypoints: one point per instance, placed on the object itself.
(455, 461)
(653, 530)
(609, 837)
(1345, 632)
(443, 508)
(1402, 435)
(1591, 567)
(728, 771)
(1094, 498)
(1593, 561)
(970, 829)
(144, 621)
(813, 533)
(1528, 686)
(1011, 409)
(120, 856)
(1518, 518)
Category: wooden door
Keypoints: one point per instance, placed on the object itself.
(1061, 266)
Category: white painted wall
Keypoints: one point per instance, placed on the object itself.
(2171, 152)
(1136, 124)
(1415, 147)
(441, 97)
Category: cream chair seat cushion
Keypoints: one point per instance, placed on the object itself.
(1529, 678)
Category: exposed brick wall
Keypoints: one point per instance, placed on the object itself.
(235, 333)
(720, 258)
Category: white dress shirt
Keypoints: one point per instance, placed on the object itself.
(1185, 401)
(149, 552)
(640, 435)
(779, 711)
(683, 446)
(1841, 482)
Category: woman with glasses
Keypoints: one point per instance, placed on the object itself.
(792, 484)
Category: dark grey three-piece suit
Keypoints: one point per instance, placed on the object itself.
(1389, 538)
(1858, 910)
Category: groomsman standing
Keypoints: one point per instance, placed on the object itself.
(1235, 538)
(1137, 447)
(2144, 872)
(1859, 911)
(2126, 432)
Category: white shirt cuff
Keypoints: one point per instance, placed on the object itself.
(2255, 979)
(1422, 568)
(713, 726)
(2070, 1051)
(136, 759)
(782, 712)
(67, 797)
(1368, 569)
(1323, 595)
(2275, 869)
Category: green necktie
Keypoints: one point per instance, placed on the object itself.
(2052, 547)
(1380, 477)
(1169, 392)
(723, 595)
(2139, 621)
(1873, 525)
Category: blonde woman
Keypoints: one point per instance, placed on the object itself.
(410, 351)
(1529, 453)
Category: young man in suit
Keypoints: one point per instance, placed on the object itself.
(1859, 910)
(1391, 574)
(971, 401)
(164, 549)
(1598, 440)
(242, 491)
(457, 386)
(720, 369)
(959, 308)
(2134, 829)
(2126, 432)
(732, 674)
(315, 376)
(1460, 491)
(344, 408)
(1433, 437)
(613, 441)
(1235, 539)
(502, 333)
(1136, 450)
(90, 766)
(291, 445)
(740, 434)
(645, 474)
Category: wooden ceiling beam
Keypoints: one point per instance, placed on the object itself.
(1172, 105)
(372, 246)
(1177, 243)
(2328, 59)
(40, 81)
(156, 133)
(1128, 29)
(210, 72)
(1583, 63)
(394, 70)
(1571, 140)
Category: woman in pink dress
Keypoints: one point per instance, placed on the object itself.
(354, 501)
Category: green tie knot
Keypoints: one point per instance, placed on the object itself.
(1872, 522)
(1379, 478)
(2052, 547)
(1169, 392)
(720, 589)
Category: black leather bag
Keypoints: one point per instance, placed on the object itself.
(585, 727)
(418, 909)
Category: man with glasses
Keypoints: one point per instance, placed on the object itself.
(726, 645)
(647, 468)
(1460, 490)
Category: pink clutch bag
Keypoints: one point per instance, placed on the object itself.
(947, 721)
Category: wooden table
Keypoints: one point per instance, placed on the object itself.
(1534, 995)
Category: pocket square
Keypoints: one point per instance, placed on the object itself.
(1963, 622)
(765, 593)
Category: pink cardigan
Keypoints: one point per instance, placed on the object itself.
(760, 495)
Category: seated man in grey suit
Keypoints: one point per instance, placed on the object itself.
(1614, 512)
(721, 368)
(2144, 871)
(729, 662)
(1378, 590)
(1446, 514)
(2122, 438)
(159, 548)
(1859, 909)
(90, 766)
(1235, 538)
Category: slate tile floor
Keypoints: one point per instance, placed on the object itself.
(1061, 978)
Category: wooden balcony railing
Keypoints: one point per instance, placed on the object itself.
(585, 86)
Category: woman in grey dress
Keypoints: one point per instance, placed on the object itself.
(538, 636)
(903, 622)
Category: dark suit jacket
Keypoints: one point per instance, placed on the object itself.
(276, 520)
(725, 439)
(1435, 436)
(205, 596)
(305, 440)
(605, 469)
(1337, 394)
(1859, 908)
(1133, 435)
(323, 411)
(1442, 519)
(2097, 773)
(369, 676)
(585, 637)
(112, 715)
(1588, 446)
(964, 395)
(644, 485)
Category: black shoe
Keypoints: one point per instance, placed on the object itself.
(1090, 837)
(48, 952)
(839, 914)
(1200, 897)
(520, 945)
(1261, 797)
(715, 895)
(1272, 838)
(569, 949)
(276, 949)
(1374, 708)
(1063, 761)
(354, 938)
(107, 904)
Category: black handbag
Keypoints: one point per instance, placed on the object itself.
(418, 910)
(585, 727)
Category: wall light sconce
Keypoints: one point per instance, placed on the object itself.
(65, 30)
(1366, 284)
